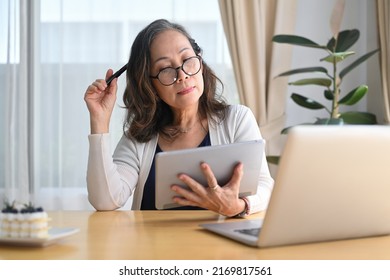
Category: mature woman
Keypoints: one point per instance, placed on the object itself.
(172, 103)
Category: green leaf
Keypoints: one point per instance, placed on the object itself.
(306, 102)
(331, 121)
(328, 94)
(345, 40)
(296, 40)
(354, 95)
(273, 159)
(312, 81)
(358, 118)
(287, 129)
(360, 60)
(338, 56)
(304, 70)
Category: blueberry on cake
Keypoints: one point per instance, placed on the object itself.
(27, 222)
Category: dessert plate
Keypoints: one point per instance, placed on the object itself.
(55, 234)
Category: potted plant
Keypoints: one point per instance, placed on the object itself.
(336, 50)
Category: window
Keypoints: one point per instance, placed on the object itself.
(74, 47)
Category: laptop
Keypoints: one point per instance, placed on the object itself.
(332, 183)
(222, 160)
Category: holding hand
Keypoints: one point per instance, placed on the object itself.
(223, 200)
(100, 100)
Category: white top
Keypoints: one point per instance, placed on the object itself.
(111, 180)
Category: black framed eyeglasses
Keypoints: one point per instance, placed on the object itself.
(168, 75)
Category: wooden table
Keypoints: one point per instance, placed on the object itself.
(159, 235)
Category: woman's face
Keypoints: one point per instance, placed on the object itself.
(169, 49)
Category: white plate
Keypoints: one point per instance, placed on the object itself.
(55, 234)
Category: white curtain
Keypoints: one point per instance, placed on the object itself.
(249, 27)
(50, 51)
(383, 11)
(15, 103)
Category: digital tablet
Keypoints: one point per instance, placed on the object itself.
(222, 160)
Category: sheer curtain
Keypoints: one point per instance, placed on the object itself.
(50, 51)
(15, 100)
(383, 11)
(249, 27)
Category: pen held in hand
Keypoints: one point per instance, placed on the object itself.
(116, 74)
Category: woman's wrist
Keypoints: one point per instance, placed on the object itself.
(98, 127)
(246, 210)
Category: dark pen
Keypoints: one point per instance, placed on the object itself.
(116, 74)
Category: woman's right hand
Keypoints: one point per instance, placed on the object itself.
(100, 100)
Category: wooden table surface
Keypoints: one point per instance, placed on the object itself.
(159, 235)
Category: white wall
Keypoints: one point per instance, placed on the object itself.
(313, 19)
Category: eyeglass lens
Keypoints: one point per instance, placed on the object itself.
(190, 66)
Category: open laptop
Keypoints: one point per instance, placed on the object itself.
(222, 160)
(333, 183)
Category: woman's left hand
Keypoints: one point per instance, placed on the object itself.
(221, 199)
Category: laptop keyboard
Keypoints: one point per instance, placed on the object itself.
(249, 231)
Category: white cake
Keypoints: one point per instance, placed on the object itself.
(28, 222)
